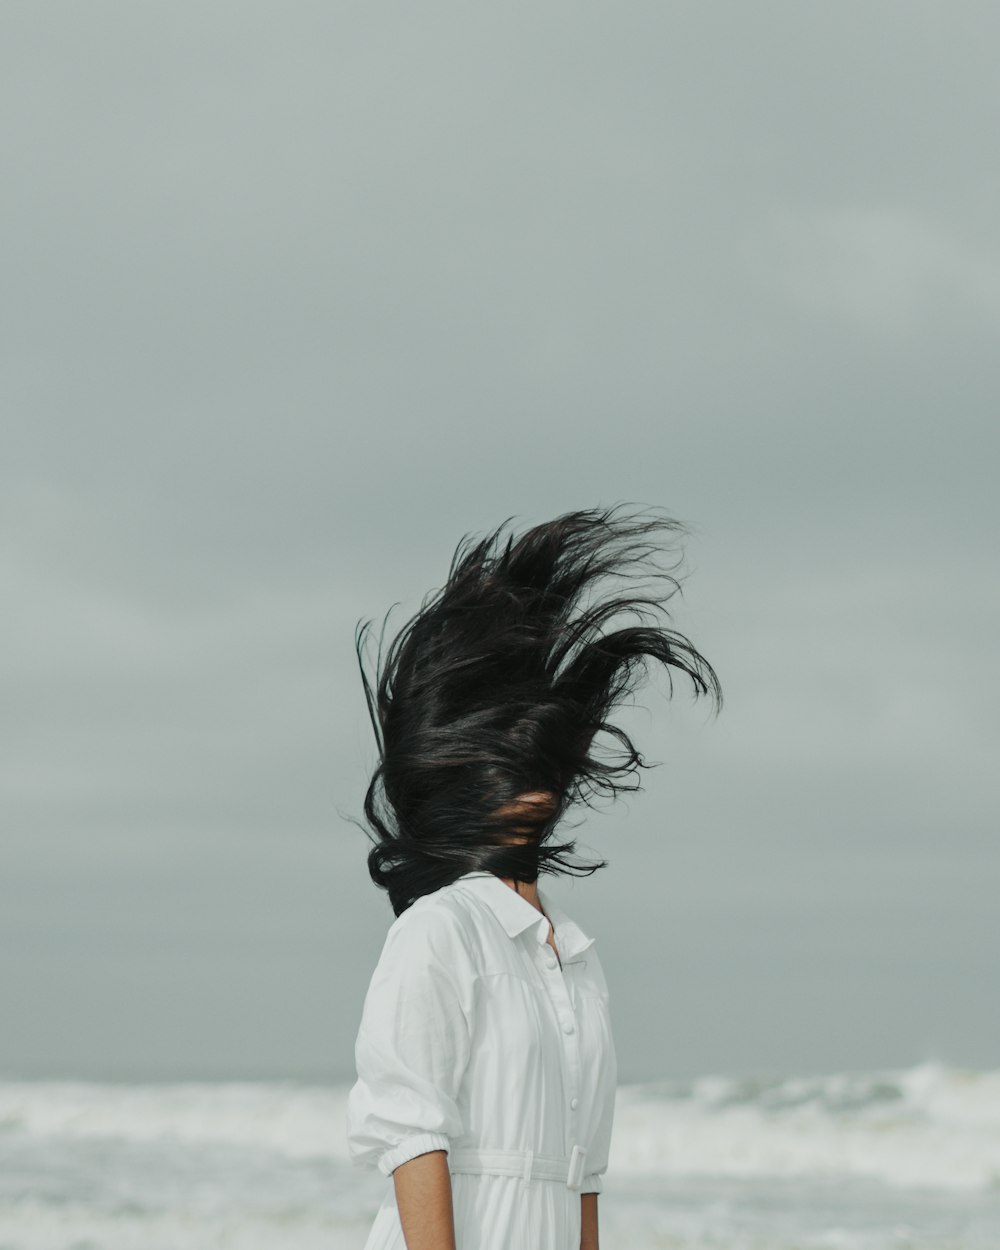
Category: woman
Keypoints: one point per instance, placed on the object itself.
(485, 1056)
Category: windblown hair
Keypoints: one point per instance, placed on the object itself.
(488, 703)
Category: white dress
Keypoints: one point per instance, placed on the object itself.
(474, 1040)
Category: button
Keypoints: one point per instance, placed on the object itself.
(568, 1026)
(550, 958)
(574, 1103)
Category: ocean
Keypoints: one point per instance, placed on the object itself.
(904, 1159)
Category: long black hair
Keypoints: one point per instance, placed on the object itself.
(487, 704)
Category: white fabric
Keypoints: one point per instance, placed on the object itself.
(473, 1039)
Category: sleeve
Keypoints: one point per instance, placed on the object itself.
(600, 1146)
(413, 1044)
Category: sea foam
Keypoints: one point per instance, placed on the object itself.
(929, 1125)
(925, 1126)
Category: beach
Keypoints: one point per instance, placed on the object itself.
(905, 1159)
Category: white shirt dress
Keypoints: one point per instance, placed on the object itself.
(474, 1040)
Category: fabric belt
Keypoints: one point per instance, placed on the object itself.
(528, 1164)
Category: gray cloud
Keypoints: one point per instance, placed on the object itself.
(295, 299)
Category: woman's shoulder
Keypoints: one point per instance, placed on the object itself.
(441, 920)
(428, 945)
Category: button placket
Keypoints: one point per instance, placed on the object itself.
(566, 1015)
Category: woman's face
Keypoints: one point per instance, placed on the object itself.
(536, 805)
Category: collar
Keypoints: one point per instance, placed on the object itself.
(516, 914)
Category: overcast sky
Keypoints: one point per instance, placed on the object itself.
(295, 296)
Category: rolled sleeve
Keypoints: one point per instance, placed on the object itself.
(414, 1043)
(592, 1184)
(418, 1144)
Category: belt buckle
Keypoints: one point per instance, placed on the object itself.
(574, 1178)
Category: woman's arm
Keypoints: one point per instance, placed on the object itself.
(588, 1222)
(424, 1199)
